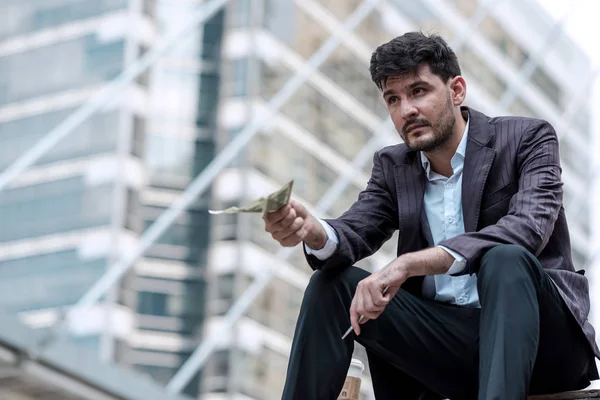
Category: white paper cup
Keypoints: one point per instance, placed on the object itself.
(351, 389)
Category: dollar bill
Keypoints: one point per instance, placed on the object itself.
(270, 203)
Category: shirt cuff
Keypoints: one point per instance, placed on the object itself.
(459, 263)
(330, 246)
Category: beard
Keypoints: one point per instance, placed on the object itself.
(441, 129)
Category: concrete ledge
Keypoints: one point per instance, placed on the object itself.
(576, 395)
(65, 371)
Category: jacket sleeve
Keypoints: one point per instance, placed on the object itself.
(533, 210)
(366, 226)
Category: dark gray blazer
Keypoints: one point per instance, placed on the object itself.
(511, 194)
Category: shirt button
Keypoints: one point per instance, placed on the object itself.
(449, 185)
(450, 220)
(461, 300)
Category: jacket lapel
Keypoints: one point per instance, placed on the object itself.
(478, 161)
(410, 188)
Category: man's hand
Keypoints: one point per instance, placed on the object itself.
(292, 224)
(369, 299)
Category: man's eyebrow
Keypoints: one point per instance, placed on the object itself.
(388, 92)
(411, 86)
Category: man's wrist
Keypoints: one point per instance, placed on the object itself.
(433, 261)
(316, 237)
(401, 269)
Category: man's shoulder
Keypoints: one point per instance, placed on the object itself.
(516, 125)
(395, 154)
(511, 124)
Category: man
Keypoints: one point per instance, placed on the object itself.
(483, 300)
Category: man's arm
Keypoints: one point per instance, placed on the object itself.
(363, 229)
(533, 209)
(324, 251)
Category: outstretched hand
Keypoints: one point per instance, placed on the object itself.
(292, 224)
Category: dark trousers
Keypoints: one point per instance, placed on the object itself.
(522, 340)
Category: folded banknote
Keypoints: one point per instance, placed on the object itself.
(270, 203)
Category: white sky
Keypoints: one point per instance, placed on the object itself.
(584, 28)
(582, 25)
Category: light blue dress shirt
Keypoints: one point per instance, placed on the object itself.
(443, 207)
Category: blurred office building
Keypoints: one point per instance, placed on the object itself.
(85, 203)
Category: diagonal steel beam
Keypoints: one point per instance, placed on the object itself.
(534, 60)
(484, 9)
(499, 64)
(203, 180)
(568, 116)
(108, 93)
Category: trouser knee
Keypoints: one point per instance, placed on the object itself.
(333, 284)
(507, 265)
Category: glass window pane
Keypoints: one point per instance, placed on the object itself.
(54, 280)
(53, 207)
(96, 135)
(18, 16)
(67, 65)
(152, 303)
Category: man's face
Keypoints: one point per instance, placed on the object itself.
(421, 108)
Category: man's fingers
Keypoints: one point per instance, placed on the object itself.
(293, 228)
(283, 224)
(276, 216)
(362, 306)
(390, 293)
(369, 303)
(354, 316)
(294, 238)
(286, 222)
(368, 307)
(299, 207)
(379, 300)
(293, 235)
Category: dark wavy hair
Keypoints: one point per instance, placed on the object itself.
(404, 54)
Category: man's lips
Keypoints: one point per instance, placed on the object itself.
(412, 128)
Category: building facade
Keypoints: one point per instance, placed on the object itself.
(85, 204)
(66, 218)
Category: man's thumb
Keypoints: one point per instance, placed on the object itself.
(301, 211)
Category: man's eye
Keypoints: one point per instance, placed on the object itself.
(418, 91)
(392, 99)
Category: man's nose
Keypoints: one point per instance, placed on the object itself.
(408, 111)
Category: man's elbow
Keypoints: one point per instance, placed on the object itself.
(537, 240)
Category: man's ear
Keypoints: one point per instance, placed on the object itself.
(458, 90)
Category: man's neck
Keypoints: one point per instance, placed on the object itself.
(440, 159)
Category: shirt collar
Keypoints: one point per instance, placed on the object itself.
(458, 157)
